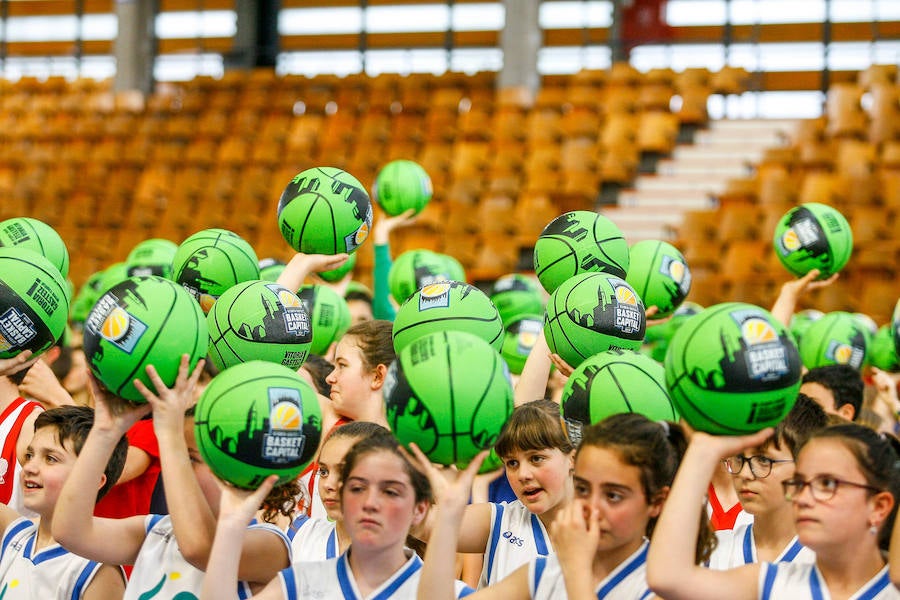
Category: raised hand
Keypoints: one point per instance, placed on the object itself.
(22, 360)
(112, 413)
(170, 404)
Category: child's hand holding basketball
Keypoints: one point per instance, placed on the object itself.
(11, 366)
(112, 414)
(169, 405)
(723, 446)
(450, 492)
(238, 506)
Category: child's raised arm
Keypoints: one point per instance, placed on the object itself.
(113, 541)
(303, 265)
(671, 572)
(533, 380)
(790, 293)
(193, 519)
(236, 510)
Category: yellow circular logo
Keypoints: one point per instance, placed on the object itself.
(285, 416)
(361, 234)
(790, 241)
(676, 271)
(625, 296)
(116, 324)
(206, 302)
(758, 331)
(842, 354)
(435, 289)
(288, 299)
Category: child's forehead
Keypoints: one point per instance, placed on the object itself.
(48, 438)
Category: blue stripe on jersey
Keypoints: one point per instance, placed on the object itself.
(331, 545)
(45, 555)
(792, 552)
(24, 523)
(151, 523)
(647, 593)
(540, 543)
(344, 578)
(495, 537)
(771, 571)
(815, 586)
(82, 580)
(539, 565)
(243, 590)
(288, 583)
(630, 568)
(748, 546)
(877, 587)
(389, 591)
(295, 526)
(465, 591)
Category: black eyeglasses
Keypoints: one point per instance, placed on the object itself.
(822, 487)
(760, 466)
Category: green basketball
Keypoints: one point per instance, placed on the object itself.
(138, 322)
(113, 274)
(37, 236)
(415, 269)
(838, 338)
(580, 241)
(612, 382)
(447, 305)
(593, 312)
(257, 419)
(516, 295)
(85, 298)
(520, 337)
(732, 370)
(258, 320)
(882, 353)
(659, 274)
(813, 236)
(324, 210)
(339, 273)
(328, 313)
(658, 335)
(151, 257)
(450, 393)
(270, 269)
(401, 185)
(34, 302)
(211, 261)
(801, 321)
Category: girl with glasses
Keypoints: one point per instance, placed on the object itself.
(843, 494)
(757, 475)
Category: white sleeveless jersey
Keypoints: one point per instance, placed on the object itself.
(737, 547)
(627, 582)
(160, 570)
(52, 573)
(333, 580)
(310, 482)
(802, 581)
(517, 537)
(312, 539)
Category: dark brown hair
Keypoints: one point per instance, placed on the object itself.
(535, 425)
(375, 342)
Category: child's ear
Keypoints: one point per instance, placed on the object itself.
(102, 481)
(420, 511)
(378, 375)
(656, 505)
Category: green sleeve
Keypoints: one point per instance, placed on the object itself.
(381, 302)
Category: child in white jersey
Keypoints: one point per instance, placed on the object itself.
(32, 564)
(169, 552)
(844, 493)
(623, 468)
(315, 538)
(382, 497)
(757, 476)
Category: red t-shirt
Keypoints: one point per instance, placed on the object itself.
(720, 518)
(133, 497)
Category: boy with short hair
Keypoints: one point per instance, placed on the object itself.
(32, 564)
(757, 479)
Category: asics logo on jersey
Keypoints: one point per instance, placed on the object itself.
(509, 537)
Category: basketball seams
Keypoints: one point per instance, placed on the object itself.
(452, 391)
(306, 219)
(612, 375)
(652, 268)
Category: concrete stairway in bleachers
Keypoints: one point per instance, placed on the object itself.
(693, 176)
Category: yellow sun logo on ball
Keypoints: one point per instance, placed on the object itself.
(116, 324)
(842, 354)
(790, 240)
(362, 233)
(285, 416)
(758, 331)
(676, 271)
(625, 296)
(288, 299)
(435, 289)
